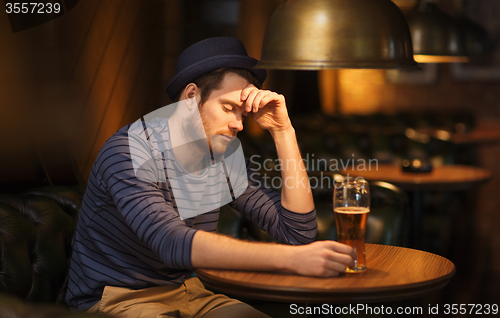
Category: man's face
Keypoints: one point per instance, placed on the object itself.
(222, 114)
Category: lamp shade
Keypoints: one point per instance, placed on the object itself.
(436, 37)
(320, 34)
(477, 41)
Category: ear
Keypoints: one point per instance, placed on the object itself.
(189, 91)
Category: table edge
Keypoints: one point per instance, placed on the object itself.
(369, 295)
(438, 185)
(315, 295)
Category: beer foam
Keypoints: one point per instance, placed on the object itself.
(351, 210)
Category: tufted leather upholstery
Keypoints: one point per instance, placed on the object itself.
(36, 233)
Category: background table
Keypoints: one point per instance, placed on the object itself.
(394, 273)
(487, 133)
(446, 177)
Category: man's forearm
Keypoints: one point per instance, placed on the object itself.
(211, 250)
(322, 258)
(296, 192)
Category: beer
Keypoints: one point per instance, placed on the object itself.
(351, 228)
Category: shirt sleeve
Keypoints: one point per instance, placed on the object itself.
(263, 207)
(138, 198)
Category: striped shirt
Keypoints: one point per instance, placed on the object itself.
(129, 232)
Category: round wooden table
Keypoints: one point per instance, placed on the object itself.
(394, 273)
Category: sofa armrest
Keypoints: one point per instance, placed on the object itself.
(36, 235)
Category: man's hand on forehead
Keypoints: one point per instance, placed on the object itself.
(254, 98)
(266, 107)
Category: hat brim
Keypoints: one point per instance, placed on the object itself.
(188, 74)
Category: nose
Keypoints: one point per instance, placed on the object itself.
(236, 125)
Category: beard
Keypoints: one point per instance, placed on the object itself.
(218, 143)
(218, 140)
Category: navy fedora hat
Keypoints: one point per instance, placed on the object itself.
(207, 56)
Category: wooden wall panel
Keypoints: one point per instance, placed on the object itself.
(67, 85)
(95, 41)
(127, 52)
(129, 82)
(105, 78)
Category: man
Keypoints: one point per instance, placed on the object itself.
(134, 251)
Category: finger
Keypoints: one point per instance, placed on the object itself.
(341, 248)
(250, 99)
(246, 91)
(269, 98)
(257, 102)
(353, 253)
(337, 267)
(331, 267)
(340, 258)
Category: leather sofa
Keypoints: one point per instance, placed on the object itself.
(36, 234)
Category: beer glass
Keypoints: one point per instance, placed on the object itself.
(351, 204)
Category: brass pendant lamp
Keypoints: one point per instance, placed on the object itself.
(436, 37)
(339, 34)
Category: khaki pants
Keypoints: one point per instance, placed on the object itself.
(189, 299)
